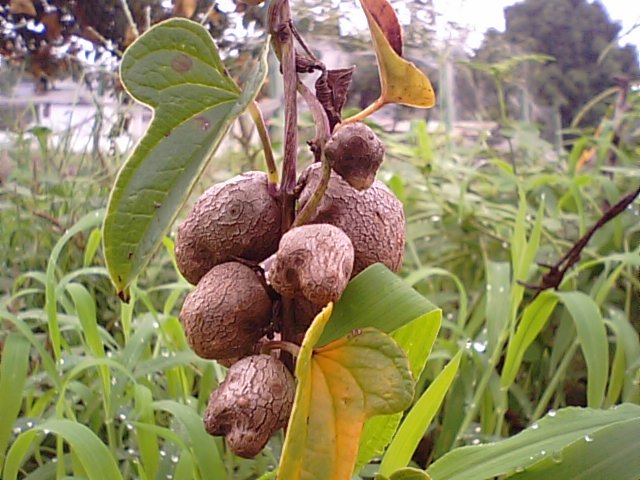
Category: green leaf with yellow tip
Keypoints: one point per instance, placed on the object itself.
(340, 386)
(175, 69)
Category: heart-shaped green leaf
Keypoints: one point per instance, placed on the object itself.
(416, 339)
(340, 385)
(175, 69)
(378, 298)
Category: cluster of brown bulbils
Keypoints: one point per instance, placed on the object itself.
(232, 248)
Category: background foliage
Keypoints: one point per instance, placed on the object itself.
(83, 372)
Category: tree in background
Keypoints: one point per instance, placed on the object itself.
(581, 38)
(49, 38)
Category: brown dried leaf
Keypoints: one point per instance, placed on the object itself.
(331, 91)
(339, 81)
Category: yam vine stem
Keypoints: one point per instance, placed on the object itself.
(261, 127)
(279, 20)
(322, 136)
(283, 35)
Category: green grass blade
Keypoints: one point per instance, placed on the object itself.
(519, 236)
(174, 68)
(93, 243)
(47, 361)
(534, 318)
(90, 220)
(593, 342)
(205, 451)
(610, 452)
(629, 341)
(425, 273)
(523, 263)
(498, 300)
(548, 437)
(185, 467)
(94, 456)
(418, 419)
(147, 441)
(13, 373)
(86, 310)
(618, 366)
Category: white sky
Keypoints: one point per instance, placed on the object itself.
(481, 15)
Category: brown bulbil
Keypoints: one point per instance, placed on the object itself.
(226, 314)
(355, 152)
(255, 350)
(304, 312)
(236, 218)
(373, 219)
(314, 262)
(252, 403)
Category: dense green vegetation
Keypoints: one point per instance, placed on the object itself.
(125, 371)
(95, 388)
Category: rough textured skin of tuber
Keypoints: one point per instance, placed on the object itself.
(236, 218)
(355, 152)
(373, 218)
(314, 262)
(252, 403)
(227, 313)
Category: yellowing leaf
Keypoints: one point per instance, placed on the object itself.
(400, 80)
(340, 386)
(383, 14)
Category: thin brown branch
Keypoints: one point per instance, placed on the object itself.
(553, 278)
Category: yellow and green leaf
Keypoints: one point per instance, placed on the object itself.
(340, 386)
(400, 80)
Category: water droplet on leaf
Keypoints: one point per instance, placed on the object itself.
(557, 456)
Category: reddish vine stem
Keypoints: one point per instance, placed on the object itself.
(279, 25)
(553, 278)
